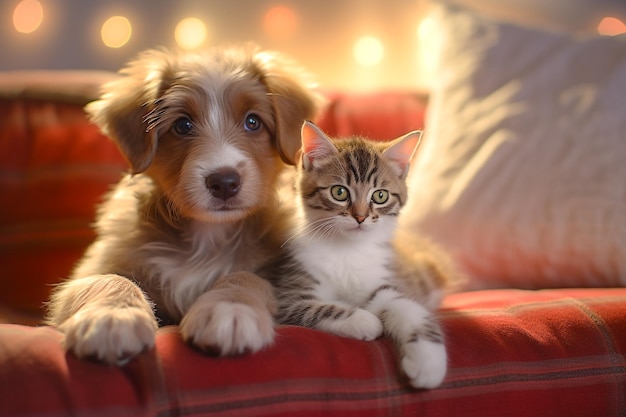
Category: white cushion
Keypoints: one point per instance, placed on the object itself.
(522, 172)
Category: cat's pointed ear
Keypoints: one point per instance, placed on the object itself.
(315, 144)
(402, 150)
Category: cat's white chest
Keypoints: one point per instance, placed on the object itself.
(347, 271)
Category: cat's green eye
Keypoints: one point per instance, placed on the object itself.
(339, 192)
(380, 196)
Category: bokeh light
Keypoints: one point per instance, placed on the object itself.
(611, 26)
(368, 51)
(428, 48)
(116, 31)
(426, 28)
(190, 33)
(27, 16)
(280, 22)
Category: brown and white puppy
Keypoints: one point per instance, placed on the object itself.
(206, 136)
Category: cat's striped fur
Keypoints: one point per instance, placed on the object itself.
(346, 269)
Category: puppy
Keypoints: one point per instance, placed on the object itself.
(206, 136)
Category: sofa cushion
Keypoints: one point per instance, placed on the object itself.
(381, 115)
(552, 352)
(521, 175)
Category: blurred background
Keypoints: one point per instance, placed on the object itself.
(347, 44)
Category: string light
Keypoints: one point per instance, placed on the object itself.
(611, 26)
(280, 22)
(278, 25)
(27, 16)
(116, 31)
(190, 33)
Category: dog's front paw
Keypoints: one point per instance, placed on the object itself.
(228, 328)
(110, 335)
(424, 363)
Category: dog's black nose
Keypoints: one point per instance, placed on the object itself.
(224, 183)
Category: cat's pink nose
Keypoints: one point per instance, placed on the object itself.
(360, 219)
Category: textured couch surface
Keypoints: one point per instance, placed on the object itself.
(512, 352)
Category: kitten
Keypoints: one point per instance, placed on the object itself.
(346, 270)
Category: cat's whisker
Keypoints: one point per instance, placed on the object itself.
(322, 231)
(309, 228)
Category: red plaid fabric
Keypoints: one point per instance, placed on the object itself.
(512, 353)
(54, 168)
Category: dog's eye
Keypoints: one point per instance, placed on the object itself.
(183, 126)
(252, 122)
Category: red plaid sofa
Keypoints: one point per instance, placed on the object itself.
(512, 352)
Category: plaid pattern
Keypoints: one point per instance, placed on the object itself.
(513, 353)
(54, 168)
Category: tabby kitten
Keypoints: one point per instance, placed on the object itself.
(345, 270)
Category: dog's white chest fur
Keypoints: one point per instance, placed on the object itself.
(190, 269)
(347, 270)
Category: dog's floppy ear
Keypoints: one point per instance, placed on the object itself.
(292, 98)
(121, 111)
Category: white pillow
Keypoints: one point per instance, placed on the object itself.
(522, 173)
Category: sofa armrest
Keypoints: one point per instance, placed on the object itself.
(75, 87)
(511, 352)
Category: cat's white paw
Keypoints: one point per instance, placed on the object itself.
(361, 325)
(111, 335)
(424, 363)
(228, 328)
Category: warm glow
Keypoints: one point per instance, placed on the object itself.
(191, 33)
(368, 51)
(27, 16)
(428, 47)
(611, 26)
(116, 32)
(280, 22)
(426, 28)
